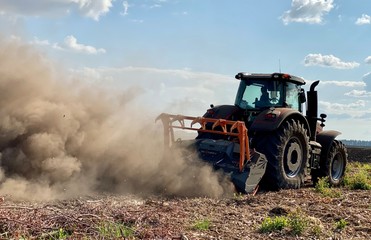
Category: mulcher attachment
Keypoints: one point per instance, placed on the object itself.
(230, 154)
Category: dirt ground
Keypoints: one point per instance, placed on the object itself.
(158, 217)
(359, 154)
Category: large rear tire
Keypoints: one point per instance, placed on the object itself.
(332, 164)
(287, 152)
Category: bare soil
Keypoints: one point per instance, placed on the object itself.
(158, 217)
(359, 154)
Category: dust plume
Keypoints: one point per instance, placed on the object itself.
(62, 139)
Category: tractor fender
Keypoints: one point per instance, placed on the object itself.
(326, 138)
(271, 119)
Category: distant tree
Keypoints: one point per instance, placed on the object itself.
(357, 143)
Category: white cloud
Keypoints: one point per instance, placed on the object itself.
(186, 75)
(344, 83)
(354, 109)
(328, 61)
(90, 8)
(368, 60)
(94, 8)
(184, 13)
(157, 3)
(307, 11)
(358, 93)
(367, 76)
(70, 43)
(126, 6)
(39, 42)
(367, 79)
(137, 20)
(155, 6)
(154, 3)
(365, 19)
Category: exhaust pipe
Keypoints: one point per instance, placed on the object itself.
(312, 109)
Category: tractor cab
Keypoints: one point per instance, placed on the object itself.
(257, 92)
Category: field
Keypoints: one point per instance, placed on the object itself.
(359, 154)
(306, 213)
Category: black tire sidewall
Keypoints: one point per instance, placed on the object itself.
(337, 148)
(293, 131)
(273, 145)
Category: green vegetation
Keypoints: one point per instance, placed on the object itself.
(273, 224)
(201, 225)
(62, 234)
(238, 196)
(358, 176)
(323, 187)
(296, 223)
(341, 224)
(115, 230)
(316, 230)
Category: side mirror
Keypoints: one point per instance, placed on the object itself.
(302, 97)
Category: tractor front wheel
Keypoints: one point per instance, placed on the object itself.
(332, 164)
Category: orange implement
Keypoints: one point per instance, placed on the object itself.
(228, 128)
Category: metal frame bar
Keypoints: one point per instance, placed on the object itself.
(239, 126)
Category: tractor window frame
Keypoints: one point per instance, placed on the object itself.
(249, 94)
(292, 94)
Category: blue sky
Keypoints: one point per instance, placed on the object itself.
(179, 56)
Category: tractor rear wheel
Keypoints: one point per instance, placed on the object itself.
(332, 164)
(287, 152)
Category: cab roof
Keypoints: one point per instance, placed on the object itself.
(274, 76)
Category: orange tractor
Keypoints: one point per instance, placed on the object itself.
(264, 137)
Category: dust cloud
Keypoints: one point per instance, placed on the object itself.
(62, 139)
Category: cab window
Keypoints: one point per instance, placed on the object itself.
(292, 96)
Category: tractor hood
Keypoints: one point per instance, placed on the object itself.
(228, 112)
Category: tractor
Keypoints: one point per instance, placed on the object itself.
(264, 138)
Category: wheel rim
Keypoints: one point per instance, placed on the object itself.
(337, 167)
(294, 158)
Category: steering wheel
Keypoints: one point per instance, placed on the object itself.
(274, 100)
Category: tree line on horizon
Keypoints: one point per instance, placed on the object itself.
(358, 143)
